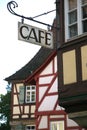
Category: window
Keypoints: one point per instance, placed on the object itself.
(75, 18)
(31, 127)
(57, 125)
(30, 94)
(84, 15)
(72, 14)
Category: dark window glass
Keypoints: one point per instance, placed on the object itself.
(85, 26)
(73, 30)
(84, 11)
(72, 4)
(84, 1)
(72, 17)
(30, 128)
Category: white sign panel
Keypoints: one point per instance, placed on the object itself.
(35, 35)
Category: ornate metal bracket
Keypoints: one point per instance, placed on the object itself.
(13, 4)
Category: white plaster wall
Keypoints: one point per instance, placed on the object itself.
(42, 91)
(15, 102)
(33, 109)
(57, 116)
(16, 110)
(48, 69)
(71, 122)
(43, 125)
(48, 103)
(45, 80)
(26, 109)
(54, 87)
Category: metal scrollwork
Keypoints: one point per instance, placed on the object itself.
(13, 4)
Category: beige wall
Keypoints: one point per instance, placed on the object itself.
(84, 62)
(69, 67)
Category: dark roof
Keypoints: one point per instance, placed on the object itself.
(31, 66)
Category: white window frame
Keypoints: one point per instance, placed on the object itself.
(55, 125)
(79, 19)
(31, 90)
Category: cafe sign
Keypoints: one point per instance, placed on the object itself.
(35, 35)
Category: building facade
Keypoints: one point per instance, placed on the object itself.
(44, 93)
(34, 99)
(72, 59)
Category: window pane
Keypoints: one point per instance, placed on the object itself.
(72, 4)
(73, 30)
(72, 17)
(54, 127)
(84, 12)
(61, 126)
(30, 94)
(57, 125)
(84, 1)
(33, 127)
(33, 87)
(28, 87)
(33, 96)
(30, 128)
(85, 26)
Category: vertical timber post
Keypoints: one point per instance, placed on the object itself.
(57, 24)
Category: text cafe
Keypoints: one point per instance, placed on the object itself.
(35, 35)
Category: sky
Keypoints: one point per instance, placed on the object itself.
(14, 54)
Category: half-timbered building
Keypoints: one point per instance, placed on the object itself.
(41, 85)
(23, 94)
(72, 58)
(49, 115)
(34, 97)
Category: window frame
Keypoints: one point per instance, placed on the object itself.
(79, 21)
(31, 90)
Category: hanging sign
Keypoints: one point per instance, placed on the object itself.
(35, 35)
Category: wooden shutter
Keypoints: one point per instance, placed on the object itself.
(21, 94)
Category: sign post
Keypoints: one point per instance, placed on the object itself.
(35, 35)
